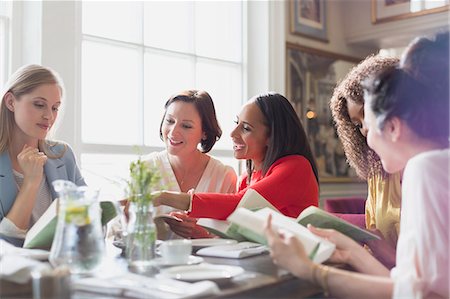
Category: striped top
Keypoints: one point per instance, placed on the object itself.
(42, 202)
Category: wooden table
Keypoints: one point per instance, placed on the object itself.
(261, 279)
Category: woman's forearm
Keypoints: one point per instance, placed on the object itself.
(362, 261)
(20, 212)
(357, 285)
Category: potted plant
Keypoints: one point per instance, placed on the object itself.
(141, 232)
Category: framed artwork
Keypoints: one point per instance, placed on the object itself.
(393, 10)
(308, 18)
(311, 78)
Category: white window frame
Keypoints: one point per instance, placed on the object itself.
(5, 41)
(92, 148)
(264, 54)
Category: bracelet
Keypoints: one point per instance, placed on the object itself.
(191, 193)
(314, 268)
(324, 272)
(321, 281)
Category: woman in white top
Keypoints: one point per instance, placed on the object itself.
(190, 129)
(407, 116)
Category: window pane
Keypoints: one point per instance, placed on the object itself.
(165, 74)
(110, 94)
(115, 20)
(3, 52)
(230, 161)
(218, 29)
(224, 84)
(168, 25)
(107, 173)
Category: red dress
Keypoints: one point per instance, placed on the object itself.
(289, 185)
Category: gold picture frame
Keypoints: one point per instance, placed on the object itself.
(311, 76)
(394, 10)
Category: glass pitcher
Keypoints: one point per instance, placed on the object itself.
(78, 241)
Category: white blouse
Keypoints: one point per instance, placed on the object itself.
(216, 178)
(423, 246)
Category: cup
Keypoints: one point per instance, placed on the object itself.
(176, 251)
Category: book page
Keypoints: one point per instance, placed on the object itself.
(42, 222)
(254, 223)
(253, 200)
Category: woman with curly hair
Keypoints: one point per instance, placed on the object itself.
(384, 190)
(407, 118)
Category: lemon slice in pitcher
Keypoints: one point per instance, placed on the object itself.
(78, 215)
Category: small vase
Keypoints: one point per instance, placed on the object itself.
(141, 237)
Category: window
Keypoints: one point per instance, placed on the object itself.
(136, 58)
(5, 16)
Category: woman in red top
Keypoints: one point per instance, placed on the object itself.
(280, 166)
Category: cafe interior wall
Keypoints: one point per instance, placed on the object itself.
(351, 33)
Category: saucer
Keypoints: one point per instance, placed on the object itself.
(206, 242)
(192, 260)
(220, 274)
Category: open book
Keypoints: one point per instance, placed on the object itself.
(251, 200)
(251, 225)
(41, 234)
(320, 218)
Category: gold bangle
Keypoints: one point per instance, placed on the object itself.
(325, 270)
(191, 194)
(314, 268)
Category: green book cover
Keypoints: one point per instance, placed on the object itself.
(322, 219)
(42, 233)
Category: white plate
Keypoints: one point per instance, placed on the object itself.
(216, 273)
(199, 243)
(192, 260)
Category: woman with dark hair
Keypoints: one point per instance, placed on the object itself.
(189, 129)
(280, 165)
(384, 190)
(406, 113)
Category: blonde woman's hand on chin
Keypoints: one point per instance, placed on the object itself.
(32, 162)
(173, 199)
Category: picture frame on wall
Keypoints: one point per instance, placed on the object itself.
(311, 76)
(394, 10)
(308, 18)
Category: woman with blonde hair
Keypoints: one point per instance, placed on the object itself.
(28, 161)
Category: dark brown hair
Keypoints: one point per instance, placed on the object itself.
(205, 107)
(416, 92)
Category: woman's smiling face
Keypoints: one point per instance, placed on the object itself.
(182, 128)
(250, 137)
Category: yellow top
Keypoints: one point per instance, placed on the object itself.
(383, 206)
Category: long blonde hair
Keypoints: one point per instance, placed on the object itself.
(24, 81)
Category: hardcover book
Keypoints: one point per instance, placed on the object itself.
(41, 234)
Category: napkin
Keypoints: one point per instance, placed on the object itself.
(237, 251)
(36, 254)
(16, 264)
(138, 286)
